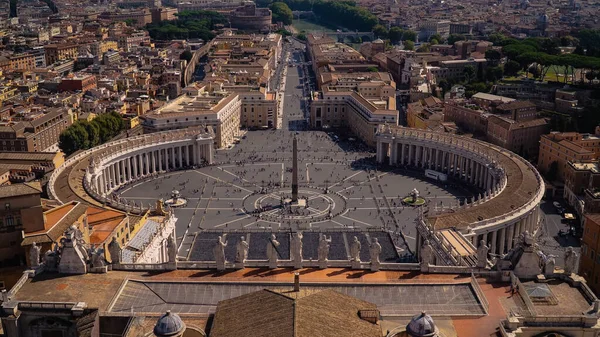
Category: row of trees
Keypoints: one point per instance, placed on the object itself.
(281, 13)
(544, 54)
(84, 135)
(342, 13)
(189, 24)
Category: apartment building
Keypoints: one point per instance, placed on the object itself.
(565, 147)
(35, 131)
(59, 52)
(520, 137)
(21, 209)
(333, 108)
(24, 61)
(199, 106)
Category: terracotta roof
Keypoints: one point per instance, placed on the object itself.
(14, 190)
(54, 233)
(299, 314)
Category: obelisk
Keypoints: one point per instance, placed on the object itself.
(295, 170)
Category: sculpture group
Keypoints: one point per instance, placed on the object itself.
(274, 256)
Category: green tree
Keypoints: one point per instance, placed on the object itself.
(282, 13)
(301, 37)
(433, 42)
(395, 34)
(493, 55)
(455, 37)
(511, 68)
(130, 22)
(72, 139)
(93, 132)
(380, 31)
(409, 35)
(372, 69)
(550, 46)
(435, 37)
(186, 55)
(409, 45)
(469, 72)
(494, 74)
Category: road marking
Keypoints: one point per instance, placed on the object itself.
(364, 223)
(228, 222)
(223, 181)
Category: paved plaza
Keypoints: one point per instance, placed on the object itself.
(343, 188)
(391, 299)
(337, 178)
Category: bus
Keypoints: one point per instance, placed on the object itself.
(436, 175)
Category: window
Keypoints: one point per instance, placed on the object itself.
(7, 206)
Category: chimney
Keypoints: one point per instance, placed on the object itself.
(296, 282)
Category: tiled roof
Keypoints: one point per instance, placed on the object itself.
(14, 190)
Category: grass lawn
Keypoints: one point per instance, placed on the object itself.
(303, 25)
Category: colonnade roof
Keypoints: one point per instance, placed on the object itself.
(522, 186)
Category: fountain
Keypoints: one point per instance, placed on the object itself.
(176, 200)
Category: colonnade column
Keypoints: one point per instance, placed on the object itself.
(502, 240)
(494, 239)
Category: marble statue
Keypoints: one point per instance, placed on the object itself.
(241, 251)
(219, 252)
(414, 194)
(272, 252)
(527, 238)
(97, 258)
(355, 250)
(323, 252)
(115, 251)
(482, 254)
(375, 251)
(426, 254)
(34, 255)
(172, 249)
(296, 249)
(549, 265)
(571, 258)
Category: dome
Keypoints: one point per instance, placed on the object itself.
(422, 325)
(169, 324)
(378, 41)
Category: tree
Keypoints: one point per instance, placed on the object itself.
(409, 35)
(301, 37)
(455, 38)
(93, 133)
(186, 55)
(493, 55)
(424, 48)
(511, 68)
(550, 46)
(435, 37)
(73, 138)
(433, 42)
(380, 31)
(372, 69)
(282, 13)
(494, 74)
(395, 34)
(409, 45)
(130, 22)
(469, 73)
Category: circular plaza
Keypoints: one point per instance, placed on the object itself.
(343, 185)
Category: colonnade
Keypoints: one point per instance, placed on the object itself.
(466, 166)
(133, 165)
(477, 164)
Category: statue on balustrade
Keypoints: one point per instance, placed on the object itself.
(115, 251)
(272, 251)
(219, 252)
(323, 252)
(482, 254)
(426, 254)
(172, 249)
(355, 250)
(375, 251)
(241, 251)
(97, 257)
(571, 259)
(296, 249)
(34, 255)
